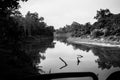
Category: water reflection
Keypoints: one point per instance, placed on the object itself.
(107, 56)
(101, 60)
(81, 47)
(48, 56)
(21, 59)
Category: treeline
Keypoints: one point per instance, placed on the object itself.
(106, 26)
(20, 60)
(13, 26)
(32, 25)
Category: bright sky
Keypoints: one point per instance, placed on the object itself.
(61, 12)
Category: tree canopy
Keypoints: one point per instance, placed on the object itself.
(9, 6)
(14, 27)
(107, 24)
(103, 13)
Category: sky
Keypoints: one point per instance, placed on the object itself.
(58, 13)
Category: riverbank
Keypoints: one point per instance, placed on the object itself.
(96, 42)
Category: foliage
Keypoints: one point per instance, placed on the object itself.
(103, 13)
(15, 27)
(36, 26)
(8, 7)
(96, 33)
(107, 24)
(76, 29)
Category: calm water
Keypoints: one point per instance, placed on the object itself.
(80, 58)
(47, 56)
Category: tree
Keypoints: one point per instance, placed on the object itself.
(8, 7)
(41, 19)
(87, 28)
(8, 21)
(97, 33)
(103, 13)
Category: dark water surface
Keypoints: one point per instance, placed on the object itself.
(20, 60)
(46, 56)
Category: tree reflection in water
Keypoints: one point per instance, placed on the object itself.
(107, 56)
(20, 60)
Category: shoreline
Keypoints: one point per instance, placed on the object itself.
(93, 42)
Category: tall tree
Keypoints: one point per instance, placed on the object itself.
(8, 7)
(33, 23)
(8, 26)
(103, 13)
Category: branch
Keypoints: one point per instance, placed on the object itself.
(63, 62)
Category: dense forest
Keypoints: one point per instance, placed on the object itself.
(23, 40)
(107, 26)
(14, 27)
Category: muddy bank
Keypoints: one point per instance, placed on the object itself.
(97, 42)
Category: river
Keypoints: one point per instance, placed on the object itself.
(67, 57)
(46, 56)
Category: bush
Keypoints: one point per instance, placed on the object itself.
(97, 33)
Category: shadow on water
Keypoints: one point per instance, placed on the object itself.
(20, 60)
(108, 57)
